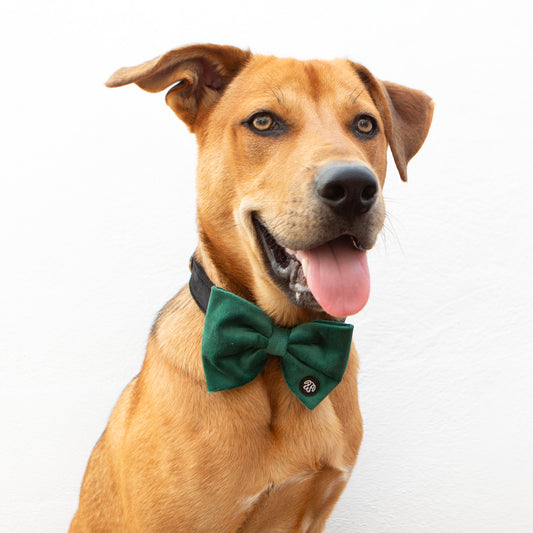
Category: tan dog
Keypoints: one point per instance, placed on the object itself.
(292, 159)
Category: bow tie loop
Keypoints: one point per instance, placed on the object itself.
(278, 341)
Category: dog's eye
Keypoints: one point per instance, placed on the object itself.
(365, 126)
(265, 123)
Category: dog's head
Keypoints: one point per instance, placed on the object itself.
(292, 162)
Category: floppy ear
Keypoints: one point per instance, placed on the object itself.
(199, 73)
(407, 115)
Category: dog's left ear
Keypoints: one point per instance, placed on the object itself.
(407, 115)
(199, 74)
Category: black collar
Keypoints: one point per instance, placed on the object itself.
(199, 285)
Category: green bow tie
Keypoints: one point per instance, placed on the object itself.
(239, 336)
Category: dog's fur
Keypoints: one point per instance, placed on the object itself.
(173, 457)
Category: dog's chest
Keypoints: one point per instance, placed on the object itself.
(300, 441)
(304, 468)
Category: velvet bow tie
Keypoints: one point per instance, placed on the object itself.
(239, 337)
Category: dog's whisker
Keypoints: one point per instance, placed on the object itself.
(352, 102)
(278, 95)
(390, 231)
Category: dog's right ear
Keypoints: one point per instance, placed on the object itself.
(198, 73)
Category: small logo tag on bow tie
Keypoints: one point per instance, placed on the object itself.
(309, 386)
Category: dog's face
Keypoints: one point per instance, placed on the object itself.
(292, 162)
(284, 148)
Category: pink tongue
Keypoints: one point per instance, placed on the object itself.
(338, 276)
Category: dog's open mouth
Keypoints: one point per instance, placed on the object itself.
(332, 277)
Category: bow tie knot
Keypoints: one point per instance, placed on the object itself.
(278, 341)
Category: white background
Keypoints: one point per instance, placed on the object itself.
(97, 225)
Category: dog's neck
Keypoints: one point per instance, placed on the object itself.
(263, 292)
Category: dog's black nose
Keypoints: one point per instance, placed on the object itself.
(349, 189)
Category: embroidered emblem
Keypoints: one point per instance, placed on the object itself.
(309, 385)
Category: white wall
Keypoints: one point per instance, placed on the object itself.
(97, 224)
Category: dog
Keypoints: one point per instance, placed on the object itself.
(292, 159)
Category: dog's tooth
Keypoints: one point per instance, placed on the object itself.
(303, 261)
(355, 242)
(305, 265)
